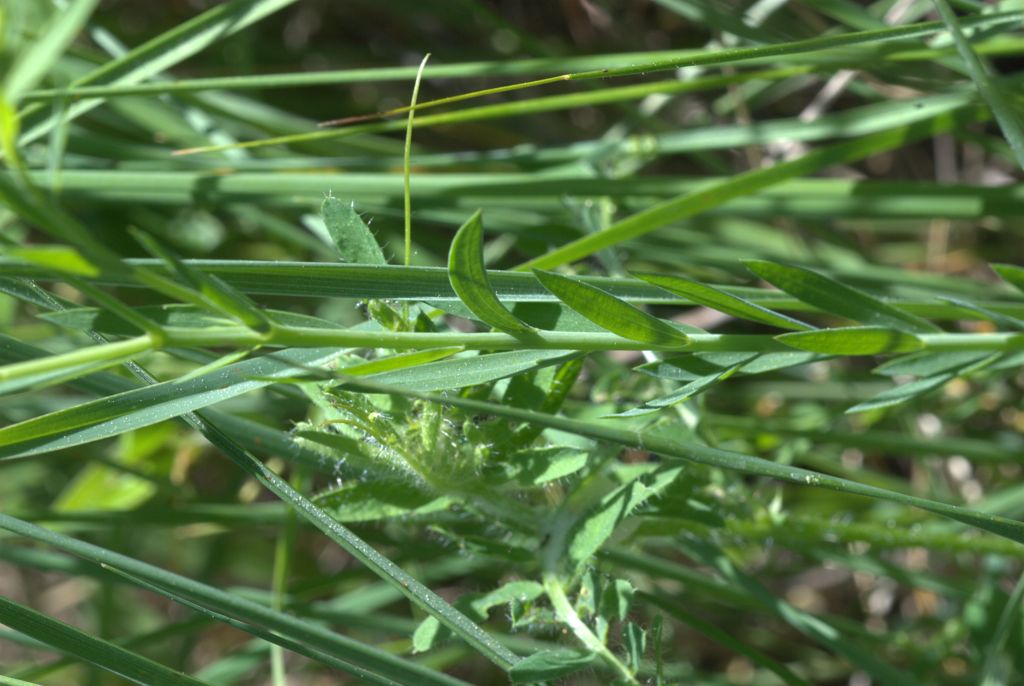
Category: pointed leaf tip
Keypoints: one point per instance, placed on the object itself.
(611, 313)
(828, 295)
(468, 278)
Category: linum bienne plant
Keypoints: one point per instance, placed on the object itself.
(590, 517)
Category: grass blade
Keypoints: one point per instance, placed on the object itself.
(715, 194)
(67, 639)
(1007, 116)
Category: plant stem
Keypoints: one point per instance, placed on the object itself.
(567, 614)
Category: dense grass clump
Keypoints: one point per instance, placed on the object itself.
(662, 342)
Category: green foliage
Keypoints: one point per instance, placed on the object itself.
(770, 399)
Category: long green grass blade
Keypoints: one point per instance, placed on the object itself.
(67, 639)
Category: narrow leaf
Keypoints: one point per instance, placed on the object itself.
(33, 63)
(853, 340)
(548, 664)
(459, 372)
(61, 258)
(717, 299)
(130, 410)
(833, 297)
(610, 312)
(599, 524)
(902, 393)
(68, 639)
(469, 279)
(1011, 274)
(352, 237)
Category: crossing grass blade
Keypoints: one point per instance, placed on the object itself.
(1007, 116)
(364, 661)
(746, 183)
(468, 277)
(33, 63)
(103, 654)
(610, 312)
(153, 57)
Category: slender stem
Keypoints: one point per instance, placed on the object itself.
(306, 337)
(567, 614)
(407, 165)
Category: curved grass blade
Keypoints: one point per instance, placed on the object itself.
(833, 297)
(112, 658)
(352, 237)
(469, 280)
(727, 459)
(717, 299)
(853, 340)
(610, 312)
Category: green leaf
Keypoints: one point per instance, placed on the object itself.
(616, 600)
(717, 299)
(211, 291)
(835, 298)
(174, 315)
(697, 385)
(469, 279)
(60, 258)
(635, 640)
(67, 639)
(132, 409)
(599, 523)
(541, 465)
(368, 501)
(425, 634)
(853, 340)
(902, 393)
(610, 312)
(470, 370)
(519, 591)
(928, 363)
(1011, 274)
(548, 664)
(352, 237)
